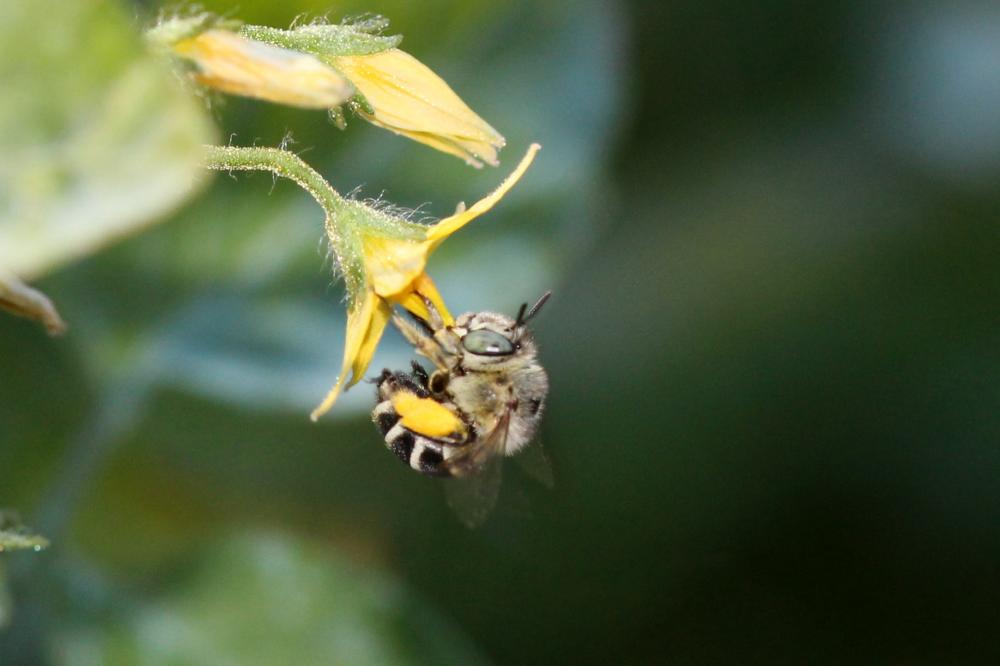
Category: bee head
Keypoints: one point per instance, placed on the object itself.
(492, 341)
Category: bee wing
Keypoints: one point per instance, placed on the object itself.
(473, 492)
(536, 464)
(472, 498)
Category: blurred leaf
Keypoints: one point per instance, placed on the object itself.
(98, 138)
(269, 600)
(15, 536)
(271, 353)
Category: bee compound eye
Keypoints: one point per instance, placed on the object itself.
(487, 343)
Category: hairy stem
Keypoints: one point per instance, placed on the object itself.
(280, 162)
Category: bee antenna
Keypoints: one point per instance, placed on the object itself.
(537, 306)
(519, 321)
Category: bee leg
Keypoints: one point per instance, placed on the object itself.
(390, 382)
(419, 373)
(446, 339)
(426, 346)
(434, 319)
(379, 382)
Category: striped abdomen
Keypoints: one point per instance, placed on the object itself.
(424, 454)
(421, 453)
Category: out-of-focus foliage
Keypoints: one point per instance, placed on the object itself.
(97, 137)
(263, 600)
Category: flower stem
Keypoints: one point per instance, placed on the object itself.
(280, 162)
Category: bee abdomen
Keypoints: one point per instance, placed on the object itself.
(384, 417)
(427, 457)
(421, 453)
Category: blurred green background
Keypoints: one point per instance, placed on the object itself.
(774, 344)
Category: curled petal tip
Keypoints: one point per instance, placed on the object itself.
(330, 398)
(327, 403)
(450, 225)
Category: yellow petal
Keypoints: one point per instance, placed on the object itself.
(409, 95)
(359, 320)
(426, 416)
(473, 152)
(392, 264)
(450, 225)
(410, 99)
(239, 66)
(381, 317)
(412, 301)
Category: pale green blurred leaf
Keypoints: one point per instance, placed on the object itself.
(270, 353)
(269, 600)
(97, 136)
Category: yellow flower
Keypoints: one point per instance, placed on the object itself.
(323, 66)
(403, 95)
(394, 274)
(237, 65)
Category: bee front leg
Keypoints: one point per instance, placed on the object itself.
(425, 345)
(445, 337)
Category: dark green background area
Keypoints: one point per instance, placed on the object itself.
(771, 232)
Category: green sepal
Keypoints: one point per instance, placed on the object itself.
(359, 102)
(338, 118)
(169, 31)
(329, 40)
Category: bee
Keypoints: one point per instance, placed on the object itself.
(483, 401)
